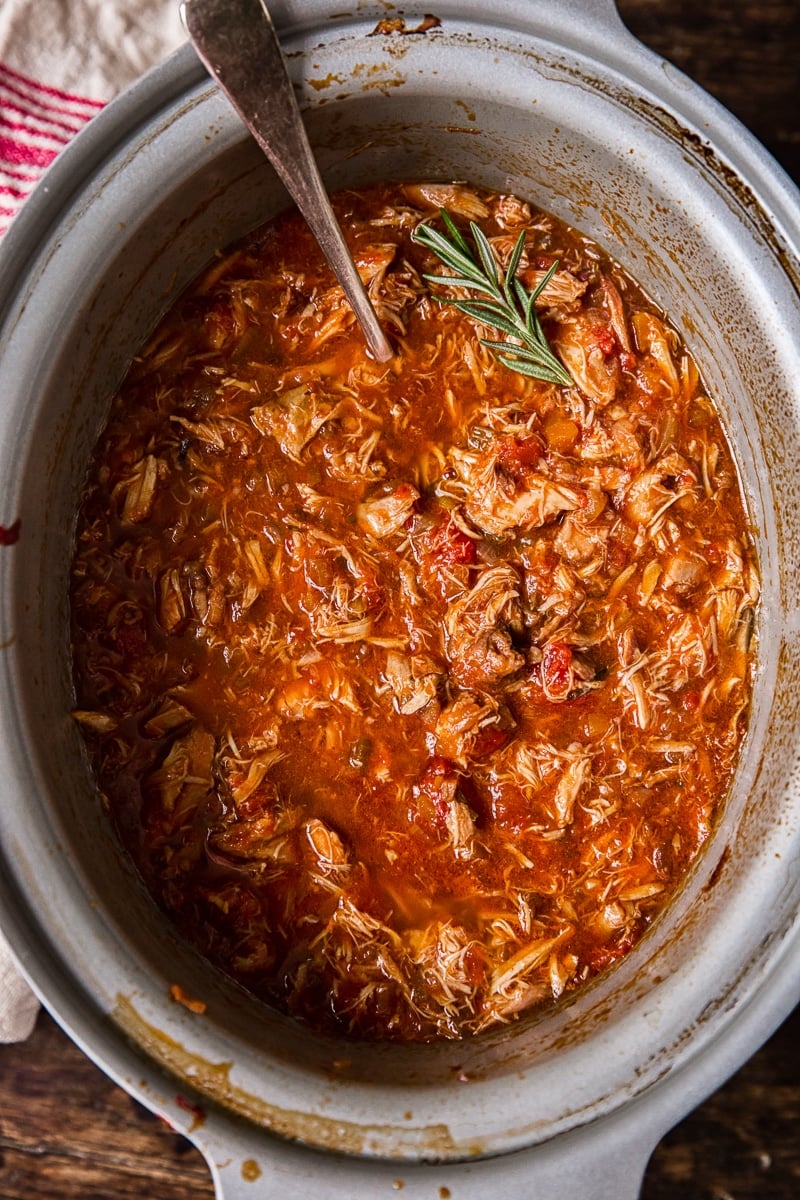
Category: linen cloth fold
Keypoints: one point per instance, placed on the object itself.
(18, 1005)
(60, 62)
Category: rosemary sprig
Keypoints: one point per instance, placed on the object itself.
(509, 308)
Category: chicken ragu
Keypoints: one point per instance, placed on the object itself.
(413, 689)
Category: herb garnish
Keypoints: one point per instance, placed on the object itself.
(509, 308)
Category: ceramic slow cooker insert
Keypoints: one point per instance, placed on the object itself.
(559, 104)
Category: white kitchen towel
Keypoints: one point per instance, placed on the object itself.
(18, 1005)
(60, 62)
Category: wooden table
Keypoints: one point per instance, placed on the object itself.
(67, 1132)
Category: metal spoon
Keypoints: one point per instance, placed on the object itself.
(237, 42)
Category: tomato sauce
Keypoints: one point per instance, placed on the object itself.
(413, 689)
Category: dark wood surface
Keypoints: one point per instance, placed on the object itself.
(67, 1132)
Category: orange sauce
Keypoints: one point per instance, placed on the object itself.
(412, 689)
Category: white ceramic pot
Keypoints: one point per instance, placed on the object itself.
(559, 103)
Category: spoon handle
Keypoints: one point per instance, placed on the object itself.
(237, 42)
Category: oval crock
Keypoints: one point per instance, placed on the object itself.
(560, 104)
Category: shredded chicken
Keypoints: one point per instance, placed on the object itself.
(414, 688)
(414, 681)
(497, 503)
(465, 726)
(293, 418)
(480, 626)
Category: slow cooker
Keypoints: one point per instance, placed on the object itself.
(556, 102)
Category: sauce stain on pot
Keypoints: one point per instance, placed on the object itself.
(213, 1082)
(251, 1171)
(702, 151)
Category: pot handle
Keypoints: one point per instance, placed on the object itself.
(595, 14)
(598, 12)
(605, 1160)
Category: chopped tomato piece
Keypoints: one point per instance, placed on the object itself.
(489, 740)
(516, 455)
(447, 545)
(605, 339)
(437, 787)
(556, 669)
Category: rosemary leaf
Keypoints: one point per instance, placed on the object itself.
(458, 281)
(510, 309)
(456, 235)
(488, 260)
(535, 370)
(518, 353)
(487, 314)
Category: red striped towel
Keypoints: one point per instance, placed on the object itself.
(60, 61)
(36, 121)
